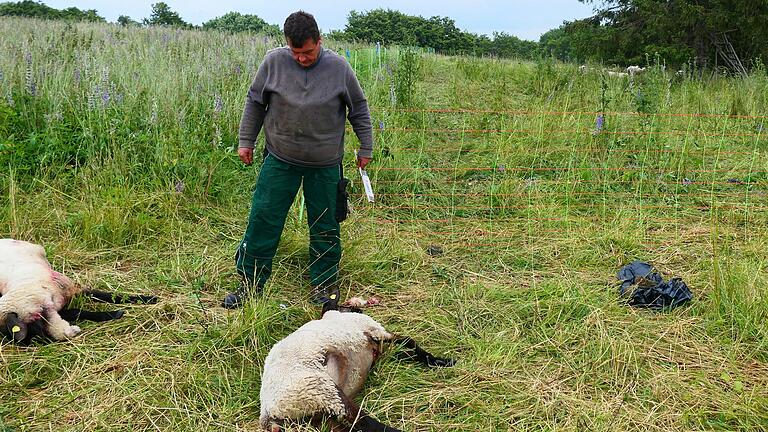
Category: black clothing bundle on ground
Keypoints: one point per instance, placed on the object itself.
(646, 288)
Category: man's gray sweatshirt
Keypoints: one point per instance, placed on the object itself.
(303, 110)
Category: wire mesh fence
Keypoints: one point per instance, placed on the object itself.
(481, 178)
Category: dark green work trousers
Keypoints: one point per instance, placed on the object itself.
(275, 192)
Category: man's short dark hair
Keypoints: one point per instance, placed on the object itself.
(300, 26)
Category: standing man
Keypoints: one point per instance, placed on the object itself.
(301, 96)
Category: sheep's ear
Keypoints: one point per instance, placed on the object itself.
(15, 328)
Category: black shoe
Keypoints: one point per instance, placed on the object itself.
(234, 300)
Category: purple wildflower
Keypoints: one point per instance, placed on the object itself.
(105, 97)
(381, 124)
(687, 182)
(218, 105)
(179, 186)
(599, 123)
(77, 76)
(502, 168)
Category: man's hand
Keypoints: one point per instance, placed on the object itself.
(246, 155)
(363, 161)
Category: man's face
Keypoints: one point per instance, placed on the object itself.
(306, 55)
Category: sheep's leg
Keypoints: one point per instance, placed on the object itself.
(84, 315)
(59, 329)
(115, 298)
(359, 419)
(419, 355)
(337, 367)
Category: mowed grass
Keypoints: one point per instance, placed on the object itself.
(502, 216)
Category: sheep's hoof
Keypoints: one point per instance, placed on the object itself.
(72, 331)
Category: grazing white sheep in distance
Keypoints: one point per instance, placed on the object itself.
(635, 70)
(34, 296)
(316, 371)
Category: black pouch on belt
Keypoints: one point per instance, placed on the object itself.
(342, 197)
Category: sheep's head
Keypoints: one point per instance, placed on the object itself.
(13, 328)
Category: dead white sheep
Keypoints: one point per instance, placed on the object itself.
(34, 296)
(316, 371)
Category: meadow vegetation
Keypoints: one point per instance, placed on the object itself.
(508, 195)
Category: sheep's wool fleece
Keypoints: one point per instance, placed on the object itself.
(28, 283)
(296, 382)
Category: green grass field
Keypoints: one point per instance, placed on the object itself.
(116, 153)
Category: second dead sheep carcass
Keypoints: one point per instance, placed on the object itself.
(34, 297)
(317, 370)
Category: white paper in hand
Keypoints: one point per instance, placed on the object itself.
(366, 184)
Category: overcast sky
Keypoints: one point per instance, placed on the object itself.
(524, 19)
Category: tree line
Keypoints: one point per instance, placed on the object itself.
(621, 32)
(39, 10)
(161, 15)
(679, 32)
(439, 33)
